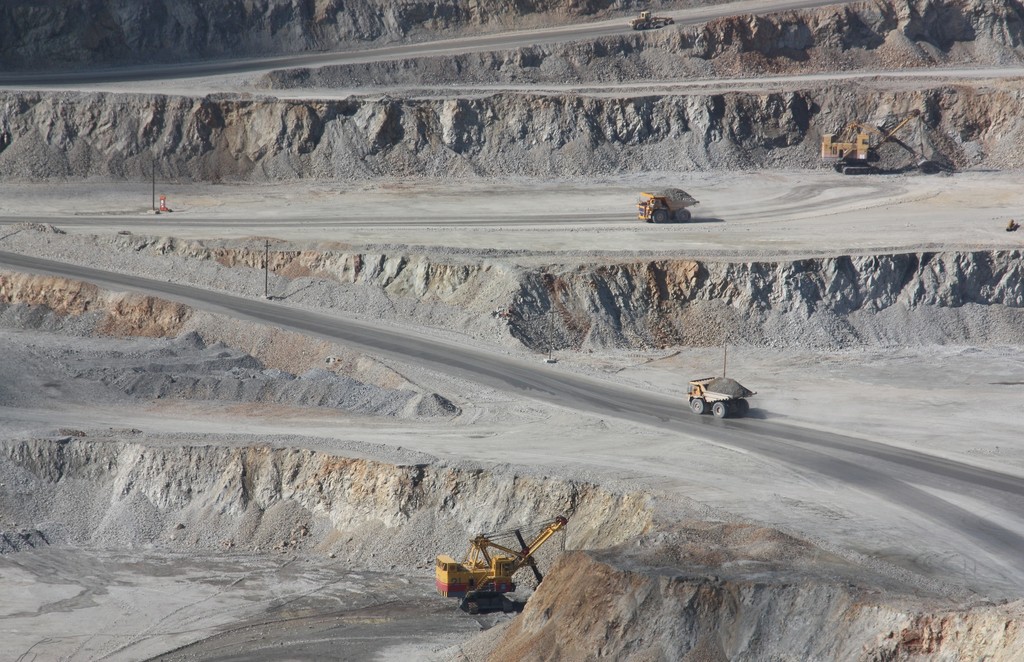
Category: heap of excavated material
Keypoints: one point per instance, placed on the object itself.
(715, 591)
(678, 197)
(728, 387)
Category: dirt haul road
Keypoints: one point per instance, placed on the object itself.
(782, 213)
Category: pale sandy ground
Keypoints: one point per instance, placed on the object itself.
(741, 214)
(74, 604)
(946, 394)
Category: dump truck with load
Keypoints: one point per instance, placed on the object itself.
(665, 205)
(720, 395)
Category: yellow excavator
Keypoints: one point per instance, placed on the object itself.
(854, 150)
(483, 578)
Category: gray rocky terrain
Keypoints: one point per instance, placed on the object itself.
(182, 480)
(502, 132)
(849, 301)
(207, 139)
(42, 35)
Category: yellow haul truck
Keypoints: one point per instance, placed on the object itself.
(666, 205)
(721, 396)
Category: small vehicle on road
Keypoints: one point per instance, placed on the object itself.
(647, 22)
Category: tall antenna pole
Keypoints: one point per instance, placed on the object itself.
(725, 358)
(551, 331)
(266, 271)
(153, 170)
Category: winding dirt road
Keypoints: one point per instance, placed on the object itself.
(904, 479)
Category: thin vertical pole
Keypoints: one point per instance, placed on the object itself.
(266, 271)
(153, 170)
(551, 331)
(725, 358)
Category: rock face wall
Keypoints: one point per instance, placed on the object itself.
(127, 492)
(700, 591)
(896, 34)
(907, 299)
(591, 606)
(902, 299)
(264, 139)
(51, 299)
(37, 34)
(117, 136)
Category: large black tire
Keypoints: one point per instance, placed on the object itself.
(742, 407)
(698, 405)
(660, 216)
(683, 215)
(720, 410)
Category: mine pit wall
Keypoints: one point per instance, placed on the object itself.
(589, 606)
(373, 515)
(124, 494)
(897, 34)
(116, 136)
(265, 139)
(38, 35)
(60, 304)
(115, 32)
(903, 299)
(908, 299)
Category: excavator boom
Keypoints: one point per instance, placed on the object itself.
(892, 132)
(526, 556)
